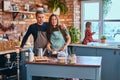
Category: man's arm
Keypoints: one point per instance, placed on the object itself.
(26, 37)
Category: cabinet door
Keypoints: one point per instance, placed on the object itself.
(110, 64)
(23, 72)
(84, 51)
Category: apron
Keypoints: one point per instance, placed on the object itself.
(40, 42)
(57, 40)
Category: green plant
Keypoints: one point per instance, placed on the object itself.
(103, 37)
(53, 5)
(74, 34)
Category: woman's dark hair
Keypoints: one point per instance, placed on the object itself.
(38, 12)
(88, 24)
(50, 28)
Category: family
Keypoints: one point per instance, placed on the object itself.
(47, 35)
(52, 35)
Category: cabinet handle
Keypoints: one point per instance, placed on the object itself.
(119, 52)
(75, 49)
(115, 52)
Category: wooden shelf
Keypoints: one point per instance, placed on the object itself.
(21, 12)
(15, 13)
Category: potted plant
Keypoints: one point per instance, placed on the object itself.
(103, 39)
(55, 5)
(74, 34)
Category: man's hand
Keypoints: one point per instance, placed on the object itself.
(63, 26)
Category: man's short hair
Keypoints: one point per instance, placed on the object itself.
(39, 12)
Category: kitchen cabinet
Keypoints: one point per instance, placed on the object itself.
(110, 64)
(110, 69)
(23, 72)
(84, 51)
(5, 71)
(11, 72)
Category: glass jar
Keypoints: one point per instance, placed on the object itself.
(62, 57)
(73, 59)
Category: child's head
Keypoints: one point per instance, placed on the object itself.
(88, 25)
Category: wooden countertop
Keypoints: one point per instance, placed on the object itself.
(12, 51)
(88, 61)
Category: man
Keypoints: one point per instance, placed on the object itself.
(38, 31)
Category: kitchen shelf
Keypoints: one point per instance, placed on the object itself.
(15, 13)
(21, 12)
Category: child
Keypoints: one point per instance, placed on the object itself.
(88, 34)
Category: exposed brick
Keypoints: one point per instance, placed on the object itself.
(68, 18)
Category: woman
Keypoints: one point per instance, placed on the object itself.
(58, 39)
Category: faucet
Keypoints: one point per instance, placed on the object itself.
(116, 34)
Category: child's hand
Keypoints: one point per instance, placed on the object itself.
(93, 33)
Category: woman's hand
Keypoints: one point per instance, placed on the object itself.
(48, 46)
(93, 32)
(64, 48)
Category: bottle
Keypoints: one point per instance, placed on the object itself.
(31, 55)
(26, 56)
(19, 42)
(40, 52)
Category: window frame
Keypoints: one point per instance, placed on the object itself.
(100, 21)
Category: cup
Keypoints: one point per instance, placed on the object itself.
(40, 52)
(24, 16)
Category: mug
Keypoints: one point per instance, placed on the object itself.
(39, 52)
(24, 16)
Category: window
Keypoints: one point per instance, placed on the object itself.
(90, 12)
(111, 24)
(108, 25)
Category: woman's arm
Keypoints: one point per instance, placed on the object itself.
(68, 40)
(48, 46)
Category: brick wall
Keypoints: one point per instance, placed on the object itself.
(71, 18)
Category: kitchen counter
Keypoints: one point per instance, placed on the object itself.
(12, 51)
(85, 68)
(97, 45)
(12, 70)
(110, 57)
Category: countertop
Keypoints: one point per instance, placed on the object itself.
(98, 45)
(89, 61)
(12, 51)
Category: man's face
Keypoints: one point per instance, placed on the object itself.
(40, 18)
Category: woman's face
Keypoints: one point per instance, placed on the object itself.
(54, 21)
